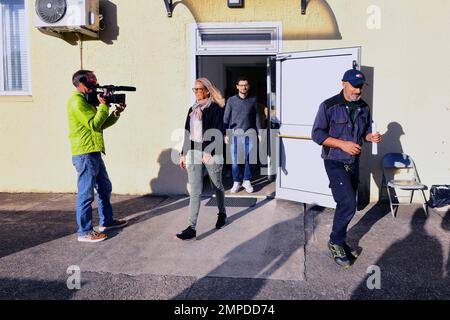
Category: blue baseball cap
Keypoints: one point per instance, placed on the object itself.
(355, 77)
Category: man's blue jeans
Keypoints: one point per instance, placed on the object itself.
(92, 174)
(241, 146)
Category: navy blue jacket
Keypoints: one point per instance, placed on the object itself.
(333, 120)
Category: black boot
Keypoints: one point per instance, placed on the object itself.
(351, 253)
(187, 234)
(221, 220)
(339, 255)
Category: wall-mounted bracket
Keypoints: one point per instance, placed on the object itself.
(55, 32)
(50, 32)
(303, 5)
(169, 7)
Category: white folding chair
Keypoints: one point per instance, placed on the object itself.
(403, 162)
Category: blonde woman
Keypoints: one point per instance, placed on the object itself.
(204, 120)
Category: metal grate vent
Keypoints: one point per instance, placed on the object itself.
(234, 202)
(51, 11)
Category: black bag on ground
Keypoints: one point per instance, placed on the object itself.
(439, 196)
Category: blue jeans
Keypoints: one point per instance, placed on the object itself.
(92, 174)
(241, 146)
(344, 181)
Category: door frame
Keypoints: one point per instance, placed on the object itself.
(274, 27)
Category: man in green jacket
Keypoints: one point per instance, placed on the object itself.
(86, 125)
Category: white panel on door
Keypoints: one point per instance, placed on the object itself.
(305, 85)
(304, 164)
(304, 80)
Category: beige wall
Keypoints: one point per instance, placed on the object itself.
(408, 57)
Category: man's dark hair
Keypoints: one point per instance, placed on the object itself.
(242, 78)
(79, 75)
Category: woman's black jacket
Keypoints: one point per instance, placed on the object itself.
(212, 119)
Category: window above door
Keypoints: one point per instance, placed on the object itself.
(238, 38)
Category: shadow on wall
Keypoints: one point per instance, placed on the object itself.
(171, 179)
(109, 27)
(367, 159)
(391, 143)
(371, 164)
(319, 23)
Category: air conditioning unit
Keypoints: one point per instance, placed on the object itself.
(59, 16)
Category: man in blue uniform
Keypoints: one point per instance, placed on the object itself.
(341, 125)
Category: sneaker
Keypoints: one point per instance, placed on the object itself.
(236, 187)
(351, 252)
(187, 234)
(339, 255)
(92, 236)
(247, 186)
(221, 220)
(114, 225)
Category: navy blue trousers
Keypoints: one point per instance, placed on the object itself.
(344, 179)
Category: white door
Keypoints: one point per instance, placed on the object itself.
(304, 81)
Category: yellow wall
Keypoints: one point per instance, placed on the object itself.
(408, 56)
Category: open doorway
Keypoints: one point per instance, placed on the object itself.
(223, 71)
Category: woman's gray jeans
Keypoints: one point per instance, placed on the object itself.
(194, 167)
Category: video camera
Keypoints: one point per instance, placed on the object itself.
(111, 97)
(107, 92)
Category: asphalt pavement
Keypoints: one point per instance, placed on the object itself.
(273, 250)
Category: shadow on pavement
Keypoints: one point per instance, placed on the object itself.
(445, 224)
(411, 268)
(365, 224)
(24, 289)
(20, 230)
(235, 217)
(282, 244)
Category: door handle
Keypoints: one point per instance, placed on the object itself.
(282, 58)
(294, 137)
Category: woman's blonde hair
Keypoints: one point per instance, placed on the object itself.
(214, 92)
